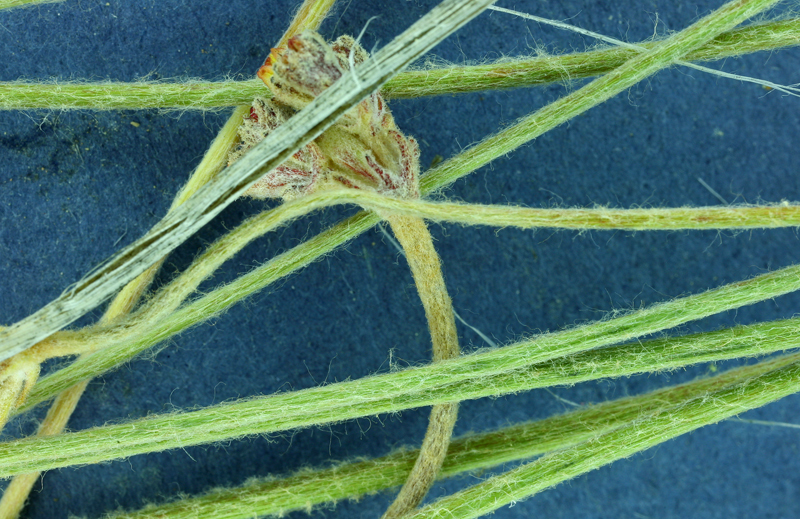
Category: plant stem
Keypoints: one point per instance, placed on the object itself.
(434, 182)
(8, 4)
(470, 453)
(416, 241)
(658, 219)
(124, 339)
(636, 436)
(544, 70)
(679, 218)
(16, 493)
(168, 299)
(311, 14)
(212, 95)
(308, 17)
(637, 68)
(389, 394)
(341, 234)
(140, 95)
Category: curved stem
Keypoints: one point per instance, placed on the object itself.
(175, 228)
(414, 237)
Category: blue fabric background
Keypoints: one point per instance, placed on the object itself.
(76, 186)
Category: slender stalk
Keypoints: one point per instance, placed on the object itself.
(204, 308)
(517, 73)
(416, 241)
(170, 297)
(102, 337)
(434, 182)
(113, 328)
(657, 219)
(385, 394)
(308, 17)
(474, 452)
(636, 436)
(431, 183)
(637, 68)
(16, 493)
(140, 95)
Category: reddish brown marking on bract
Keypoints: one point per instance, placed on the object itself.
(352, 164)
(346, 182)
(387, 180)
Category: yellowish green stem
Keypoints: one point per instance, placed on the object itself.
(638, 323)
(16, 493)
(58, 415)
(524, 72)
(308, 17)
(228, 185)
(656, 219)
(169, 298)
(516, 73)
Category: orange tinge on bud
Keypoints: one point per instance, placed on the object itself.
(265, 72)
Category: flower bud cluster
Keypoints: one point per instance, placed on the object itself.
(363, 150)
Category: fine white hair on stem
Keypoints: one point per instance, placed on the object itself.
(350, 57)
(790, 89)
(480, 334)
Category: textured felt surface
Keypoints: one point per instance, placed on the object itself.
(74, 187)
